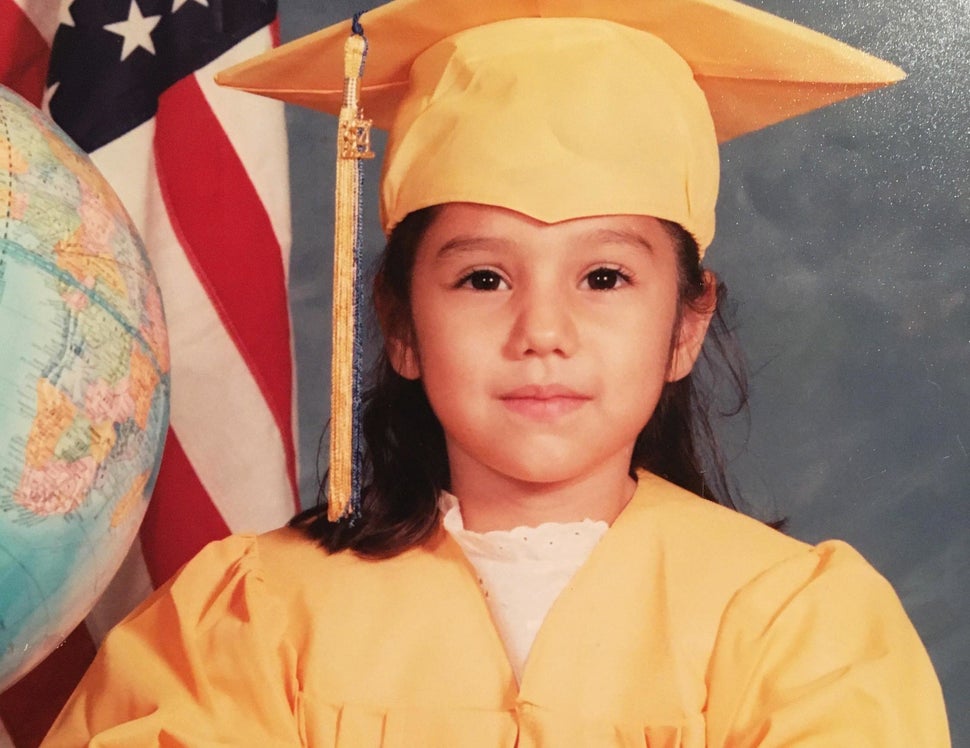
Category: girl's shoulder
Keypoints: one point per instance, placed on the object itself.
(700, 527)
(726, 557)
(285, 568)
(281, 559)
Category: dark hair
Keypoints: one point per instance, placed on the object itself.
(405, 460)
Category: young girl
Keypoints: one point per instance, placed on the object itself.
(531, 563)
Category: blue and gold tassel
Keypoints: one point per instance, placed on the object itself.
(353, 144)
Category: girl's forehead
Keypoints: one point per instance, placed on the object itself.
(460, 226)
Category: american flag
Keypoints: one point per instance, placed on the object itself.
(202, 171)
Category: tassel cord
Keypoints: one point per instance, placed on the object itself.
(353, 144)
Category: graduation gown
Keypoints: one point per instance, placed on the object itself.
(689, 625)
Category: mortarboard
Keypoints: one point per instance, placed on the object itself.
(557, 109)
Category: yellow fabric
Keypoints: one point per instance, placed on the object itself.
(561, 118)
(690, 625)
(567, 108)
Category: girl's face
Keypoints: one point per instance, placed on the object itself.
(543, 348)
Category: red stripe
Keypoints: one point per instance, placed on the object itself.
(274, 31)
(28, 708)
(180, 519)
(227, 236)
(23, 53)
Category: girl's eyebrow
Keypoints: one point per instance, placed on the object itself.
(617, 236)
(459, 244)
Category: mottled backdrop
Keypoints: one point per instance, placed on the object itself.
(843, 237)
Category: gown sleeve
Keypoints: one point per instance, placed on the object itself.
(817, 651)
(203, 662)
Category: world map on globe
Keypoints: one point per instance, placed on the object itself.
(84, 385)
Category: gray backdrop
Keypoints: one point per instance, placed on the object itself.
(843, 236)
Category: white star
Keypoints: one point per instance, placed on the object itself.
(176, 4)
(64, 17)
(136, 31)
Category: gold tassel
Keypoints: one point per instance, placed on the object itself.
(353, 144)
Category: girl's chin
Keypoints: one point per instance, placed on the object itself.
(551, 471)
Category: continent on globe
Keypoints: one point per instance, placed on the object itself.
(84, 385)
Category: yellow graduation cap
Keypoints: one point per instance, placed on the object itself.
(549, 89)
(562, 109)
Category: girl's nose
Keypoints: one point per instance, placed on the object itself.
(544, 325)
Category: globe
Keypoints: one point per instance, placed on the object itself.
(84, 385)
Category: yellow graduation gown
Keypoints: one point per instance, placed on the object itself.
(689, 625)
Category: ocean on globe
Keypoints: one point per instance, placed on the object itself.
(84, 385)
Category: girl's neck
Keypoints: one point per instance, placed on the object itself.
(493, 501)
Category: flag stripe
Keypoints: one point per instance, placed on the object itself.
(232, 246)
(45, 16)
(129, 586)
(23, 53)
(128, 161)
(246, 119)
(30, 705)
(222, 421)
(166, 544)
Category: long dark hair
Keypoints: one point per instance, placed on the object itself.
(405, 460)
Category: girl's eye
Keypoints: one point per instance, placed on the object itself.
(482, 280)
(605, 279)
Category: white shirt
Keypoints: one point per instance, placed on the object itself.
(522, 571)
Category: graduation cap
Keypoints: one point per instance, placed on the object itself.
(557, 109)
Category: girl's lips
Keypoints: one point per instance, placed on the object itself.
(543, 402)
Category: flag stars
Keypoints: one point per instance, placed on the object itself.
(64, 17)
(136, 31)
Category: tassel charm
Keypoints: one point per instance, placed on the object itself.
(353, 144)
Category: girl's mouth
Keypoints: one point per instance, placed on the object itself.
(543, 402)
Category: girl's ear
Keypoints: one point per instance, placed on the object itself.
(692, 328)
(398, 335)
(403, 357)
